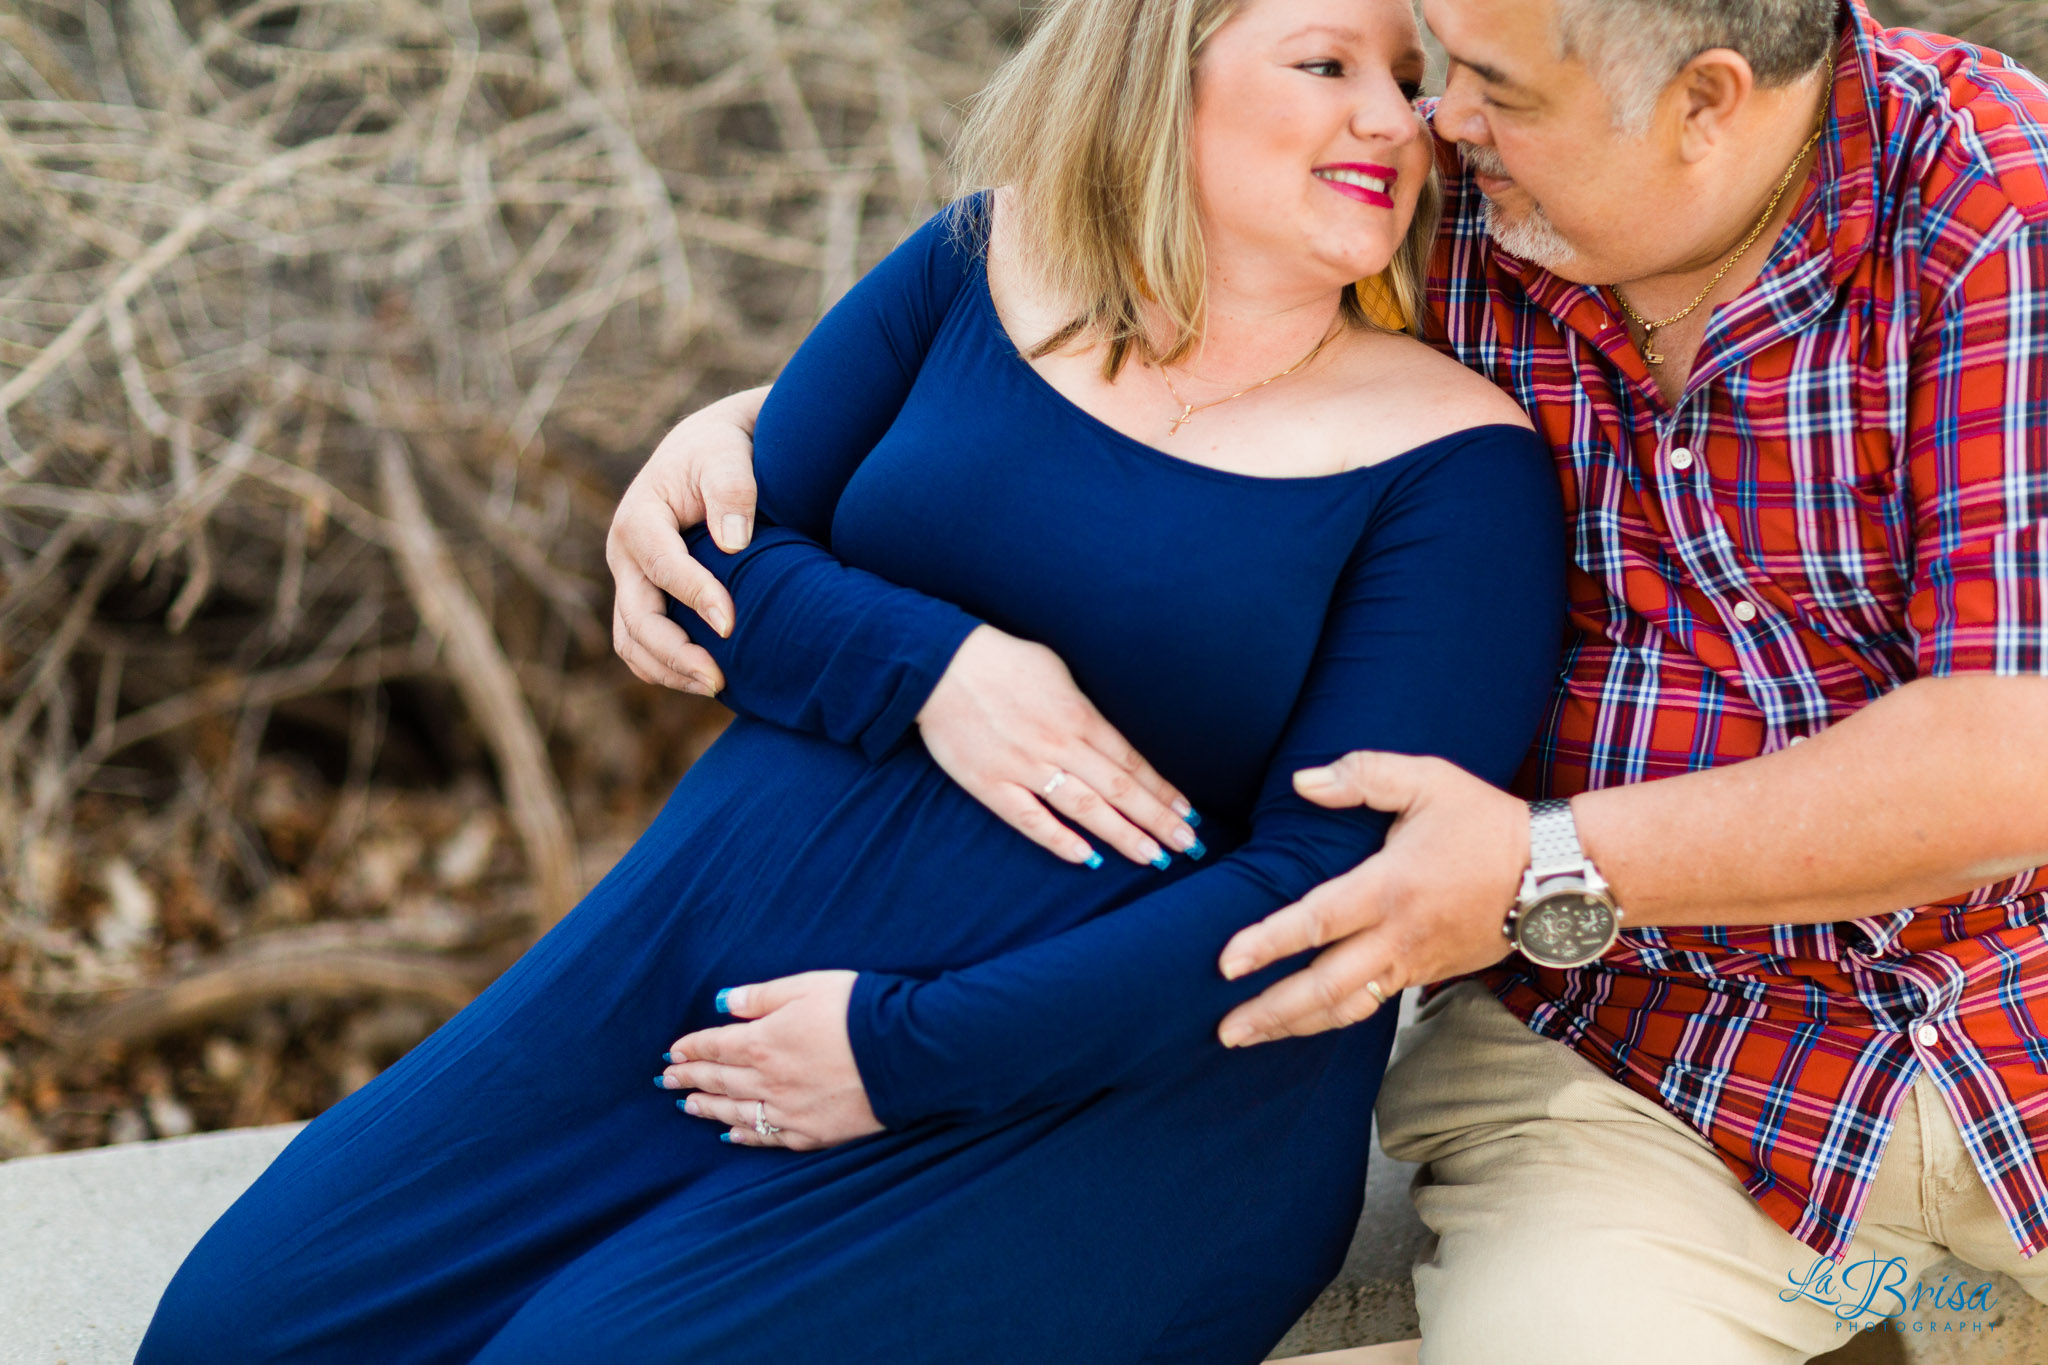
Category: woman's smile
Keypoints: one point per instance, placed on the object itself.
(1367, 183)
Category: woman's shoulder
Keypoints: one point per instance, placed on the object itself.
(1403, 395)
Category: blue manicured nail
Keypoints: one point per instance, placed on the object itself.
(1197, 849)
(1163, 861)
(669, 1057)
(725, 1137)
(1094, 859)
(683, 1105)
(1193, 817)
(718, 1001)
(661, 1082)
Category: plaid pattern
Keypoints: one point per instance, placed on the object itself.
(1865, 502)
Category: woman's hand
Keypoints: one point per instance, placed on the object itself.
(794, 1058)
(1006, 721)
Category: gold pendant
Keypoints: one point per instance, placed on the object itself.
(1650, 353)
(1187, 410)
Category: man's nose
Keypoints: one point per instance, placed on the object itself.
(1458, 115)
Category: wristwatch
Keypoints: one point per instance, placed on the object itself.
(1564, 916)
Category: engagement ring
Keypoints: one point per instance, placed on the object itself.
(1053, 784)
(761, 1123)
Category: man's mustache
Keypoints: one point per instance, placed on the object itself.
(1484, 159)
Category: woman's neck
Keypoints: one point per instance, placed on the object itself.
(1250, 334)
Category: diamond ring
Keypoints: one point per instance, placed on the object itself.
(761, 1123)
(1054, 783)
(1372, 988)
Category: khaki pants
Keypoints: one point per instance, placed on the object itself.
(1578, 1221)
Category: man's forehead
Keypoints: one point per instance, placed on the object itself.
(1507, 42)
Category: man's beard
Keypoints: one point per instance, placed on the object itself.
(1534, 238)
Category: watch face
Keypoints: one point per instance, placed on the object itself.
(1568, 929)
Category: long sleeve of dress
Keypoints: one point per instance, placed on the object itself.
(816, 645)
(1442, 639)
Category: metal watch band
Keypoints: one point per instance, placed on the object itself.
(1554, 840)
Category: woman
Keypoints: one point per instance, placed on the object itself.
(1145, 426)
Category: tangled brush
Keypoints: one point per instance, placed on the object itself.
(329, 327)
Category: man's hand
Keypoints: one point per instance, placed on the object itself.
(1007, 718)
(701, 473)
(1428, 906)
(794, 1058)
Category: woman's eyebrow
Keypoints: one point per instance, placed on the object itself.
(1349, 35)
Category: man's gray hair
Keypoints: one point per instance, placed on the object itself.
(1636, 47)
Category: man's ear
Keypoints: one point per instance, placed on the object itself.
(1712, 91)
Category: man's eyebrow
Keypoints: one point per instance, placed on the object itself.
(1491, 74)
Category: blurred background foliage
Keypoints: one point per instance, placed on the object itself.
(329, 332)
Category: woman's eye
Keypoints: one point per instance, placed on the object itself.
(1326, 66)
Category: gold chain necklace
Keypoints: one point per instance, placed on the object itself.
(1650, 329)
(1188, 410)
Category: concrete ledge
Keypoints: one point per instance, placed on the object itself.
(88, 1240)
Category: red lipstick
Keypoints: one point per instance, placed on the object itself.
(1345, 177)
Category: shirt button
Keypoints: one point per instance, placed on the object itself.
(1927, 1035)
(1798, 739)
(1681, 458)
(1745, 611)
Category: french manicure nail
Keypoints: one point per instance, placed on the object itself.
(1191, 815)
(1163, 861)
(720, 1002)
(725, 1137)
(1093, 859)
(661, 1082)
(1197, 849)
(669, 1057)
(684, 1105)
(1185, 838)
(1182, 808)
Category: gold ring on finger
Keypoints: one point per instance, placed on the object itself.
(1372, 988)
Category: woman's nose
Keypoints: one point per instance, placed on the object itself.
(1387, 117)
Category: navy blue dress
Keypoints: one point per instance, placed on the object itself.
(1074, 1169)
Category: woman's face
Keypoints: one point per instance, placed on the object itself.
(1309, 155)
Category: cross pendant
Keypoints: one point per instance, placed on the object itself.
(1187, 410)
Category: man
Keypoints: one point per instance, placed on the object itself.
(1774, 285)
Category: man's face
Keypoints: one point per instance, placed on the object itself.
(1565, 189)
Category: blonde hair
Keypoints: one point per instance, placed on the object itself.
(1091, 124)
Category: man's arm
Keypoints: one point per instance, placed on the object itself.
(1935, 790)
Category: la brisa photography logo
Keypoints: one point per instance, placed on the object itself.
(1883, 1295)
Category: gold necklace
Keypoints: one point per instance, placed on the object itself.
(1650, 329)
(1188, 410)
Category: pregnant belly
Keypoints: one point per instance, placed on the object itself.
(784, 852)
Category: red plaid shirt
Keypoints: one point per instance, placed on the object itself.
(1853, 493)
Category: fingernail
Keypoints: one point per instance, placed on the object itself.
(722, 1002)
(1197, 849)
(1235, 1034)
(669, 1057)
(720, 622)
(1185, 838)
(1183, 809)
(1093, 859)
(1191, 815)
(1315, 777)
(661, 1082)
(1235, 967)
(735, 531)
(725, 1137)
(1163, 861)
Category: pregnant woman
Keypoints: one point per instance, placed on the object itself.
(1127, 408)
